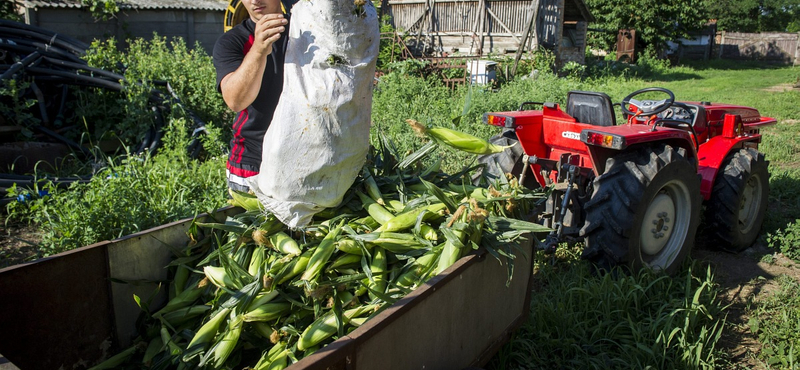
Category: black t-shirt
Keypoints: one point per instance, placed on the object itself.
(250, 124)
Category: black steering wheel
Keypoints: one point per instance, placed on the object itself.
(647, 107)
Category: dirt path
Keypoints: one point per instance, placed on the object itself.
(745, 278)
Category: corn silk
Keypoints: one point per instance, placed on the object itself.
(318, 139)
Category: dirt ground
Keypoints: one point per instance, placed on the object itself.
(743, 278)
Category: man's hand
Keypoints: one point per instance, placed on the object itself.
(268, 30)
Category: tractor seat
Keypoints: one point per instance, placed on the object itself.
(590, 107)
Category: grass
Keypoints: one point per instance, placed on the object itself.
(578, 319)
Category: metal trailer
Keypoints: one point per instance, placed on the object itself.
(71, 310)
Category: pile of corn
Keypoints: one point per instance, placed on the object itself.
(250, 293)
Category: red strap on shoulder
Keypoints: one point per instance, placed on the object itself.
(249, 44)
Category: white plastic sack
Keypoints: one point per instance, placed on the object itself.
(319, 136)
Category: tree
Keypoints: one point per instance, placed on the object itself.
(756, 15)
(8, 10)
(655, 21)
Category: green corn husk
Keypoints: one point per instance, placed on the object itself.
(457, 139)
(224, 347)
(345, 260)
(378, 212)
(377, 267)
(419, 270)
(268, 312)
(407, 219)
(114, 362)
(219, 277)
(284, 243)
(244, 200)
(183, 315)
(202, 339)
(322, 254)
(326, 326)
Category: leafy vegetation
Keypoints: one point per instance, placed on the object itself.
(128, 194)
(579, 320)
(147, 66)
(8, 10)
(646, 319)
(775, 322)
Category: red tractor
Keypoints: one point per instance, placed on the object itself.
(634, 191)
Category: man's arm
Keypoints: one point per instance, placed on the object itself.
(240, 88)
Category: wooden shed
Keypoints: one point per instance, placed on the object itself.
(481, 27)
(193, 20)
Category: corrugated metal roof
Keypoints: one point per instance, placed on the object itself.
(135, 4)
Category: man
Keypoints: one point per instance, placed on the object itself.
(249, 63)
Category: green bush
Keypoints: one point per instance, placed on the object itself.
(129, 194)
(189, 72)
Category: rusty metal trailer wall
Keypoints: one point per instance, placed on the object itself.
(73, 309)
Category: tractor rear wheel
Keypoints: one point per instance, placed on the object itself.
(644, 211)
(738, 202)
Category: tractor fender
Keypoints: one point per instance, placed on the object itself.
(625, 139)
(713, 153)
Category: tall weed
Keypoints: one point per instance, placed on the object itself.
(129, 194)
(618, 321)
(775, 322)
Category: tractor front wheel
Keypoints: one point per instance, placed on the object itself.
(735, 211)
(644, 211)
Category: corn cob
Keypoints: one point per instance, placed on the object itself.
(452, 250)
(274, 359)
(456, 139)
(322, 254)
(372, 187)
(349, 246)
(173, 348)
(181, 316)
(284, 243)
(377, 211)
(378, 267)
(244, 200)
(256, 260)
(203, 337)
(219, 277)
(153, 348)
(296, 266)
(326, 325)
(419, 269)
(114, 362)
(365, 222)
(428, 232)
(182, 300)
(224, 347)
(268, 312)
(262, 298)
(397, 243)
(345, 260)
(407, 219)
(396, 205)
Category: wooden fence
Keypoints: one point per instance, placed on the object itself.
(774, 47)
